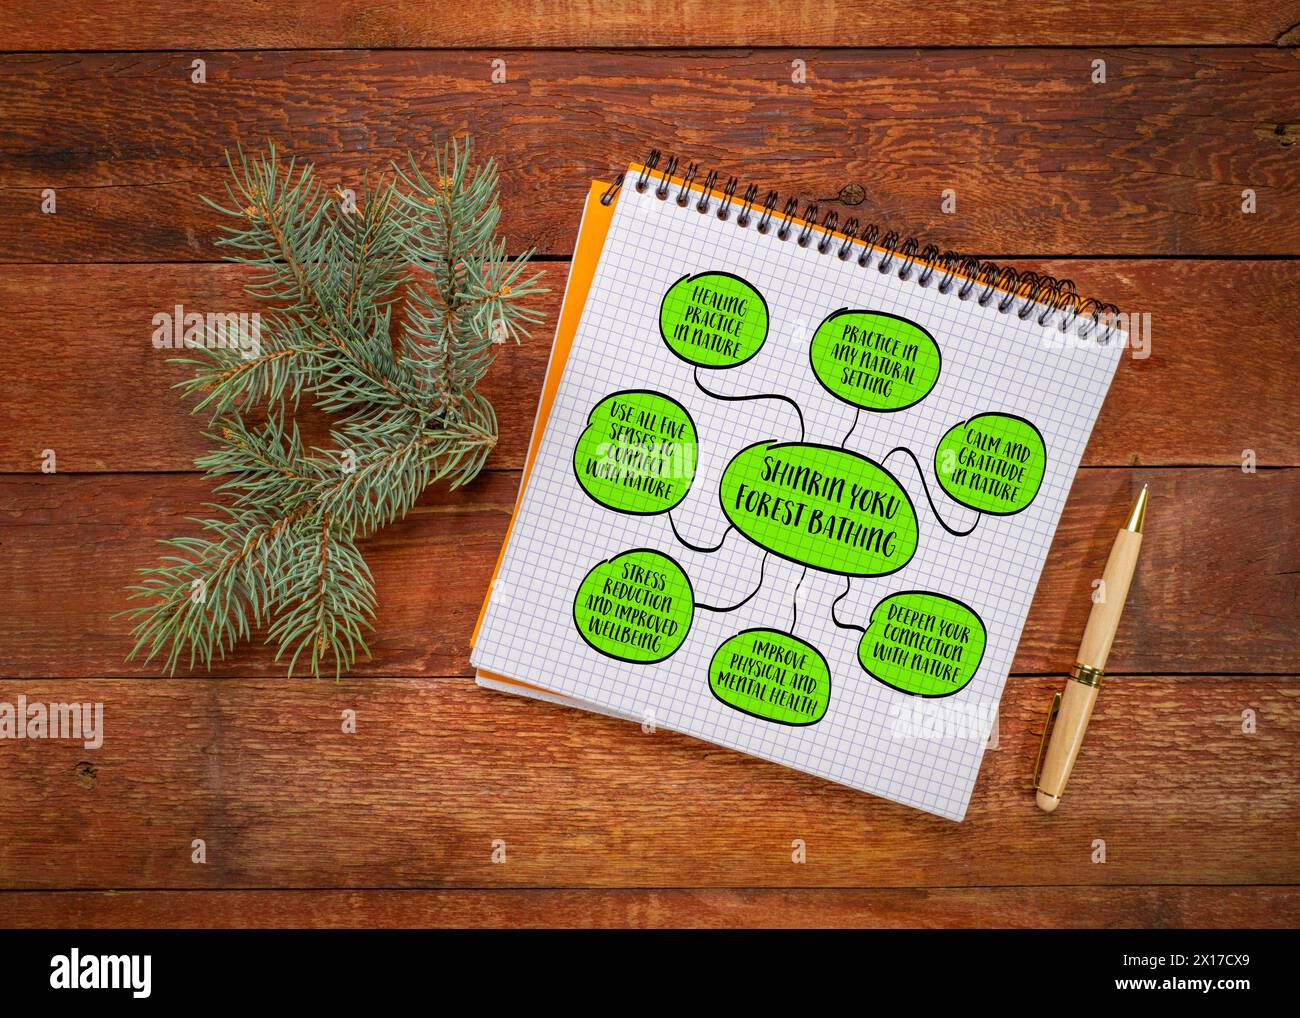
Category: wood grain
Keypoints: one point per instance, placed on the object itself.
(299, 24)
(437, 770)
(707, 908)
(1217, 590)
(86, 381)
(1152, 162)
(605, 825)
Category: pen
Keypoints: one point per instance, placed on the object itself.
(1073, 709)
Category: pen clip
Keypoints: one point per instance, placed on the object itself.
(1047, 727)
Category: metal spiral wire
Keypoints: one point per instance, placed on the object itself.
(1029, 290)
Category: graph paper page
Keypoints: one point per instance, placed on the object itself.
(792, 505)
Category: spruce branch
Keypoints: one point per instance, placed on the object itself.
(386, 312)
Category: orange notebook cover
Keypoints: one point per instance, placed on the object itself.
(586, 254)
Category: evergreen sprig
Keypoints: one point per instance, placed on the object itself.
(385, 311)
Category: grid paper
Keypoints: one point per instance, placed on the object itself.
(922, 752)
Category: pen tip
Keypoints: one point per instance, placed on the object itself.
(1139, 514)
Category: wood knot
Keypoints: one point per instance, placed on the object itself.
(852, 194)
(1285, 135)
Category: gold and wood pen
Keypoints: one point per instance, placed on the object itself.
(1073, 709)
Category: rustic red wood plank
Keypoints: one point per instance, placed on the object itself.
(86, 381)
(437, 770)
(1217, 590)
(708, 908)
(1042, 160)
(297, 24)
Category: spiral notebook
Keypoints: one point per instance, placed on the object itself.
(795, 485)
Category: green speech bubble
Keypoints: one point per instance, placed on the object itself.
(771, 675)
(637, 606)
(638, 453)
(874, 360)
(926, 644)
(713, 320)
(992, 462)
(820, 506)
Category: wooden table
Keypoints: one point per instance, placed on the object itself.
(1132, 187)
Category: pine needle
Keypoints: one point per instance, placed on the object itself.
(280, 555)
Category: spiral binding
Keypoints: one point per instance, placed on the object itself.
(1047, 293)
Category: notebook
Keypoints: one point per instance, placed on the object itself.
(792, 484)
